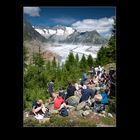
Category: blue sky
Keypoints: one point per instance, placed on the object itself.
(80, 18)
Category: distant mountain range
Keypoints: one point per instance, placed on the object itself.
(62, 34)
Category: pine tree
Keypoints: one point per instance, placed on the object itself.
(38, 59)
(77, 58)
(71, 58)
(83, 63)
(70, 62)
(90, 61)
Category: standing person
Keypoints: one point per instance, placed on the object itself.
(51, 88)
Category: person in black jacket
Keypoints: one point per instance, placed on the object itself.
(70, 90)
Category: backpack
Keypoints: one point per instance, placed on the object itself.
(64, 112)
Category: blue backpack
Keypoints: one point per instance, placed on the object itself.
(64, 112)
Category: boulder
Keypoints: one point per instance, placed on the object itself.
(109, 115)
(101, 115)
(81, 105)
(80, 112)
(87, 107)
(73, 100)
(87, 112)
(26, 114)
(103, 112)
(70, 108)
(95, 113)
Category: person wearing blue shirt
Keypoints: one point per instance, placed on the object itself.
(104, 100)
(86, 94)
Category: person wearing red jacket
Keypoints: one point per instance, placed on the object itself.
(59, 102)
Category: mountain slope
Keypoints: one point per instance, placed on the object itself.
(88, 38)
(30, 34)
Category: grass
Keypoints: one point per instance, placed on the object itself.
(59, 121)
(108, 121)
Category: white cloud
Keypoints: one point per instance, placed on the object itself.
(102, 25)
(32, 11)
(63, 20)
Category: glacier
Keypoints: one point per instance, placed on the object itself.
(63, 50)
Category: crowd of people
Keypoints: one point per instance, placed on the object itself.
(94, 90)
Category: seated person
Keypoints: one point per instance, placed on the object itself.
(104, 97)
(107, 91)
(59, 102)
(97, 105)
(86, 93)
(38, 107)
(70, 90)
